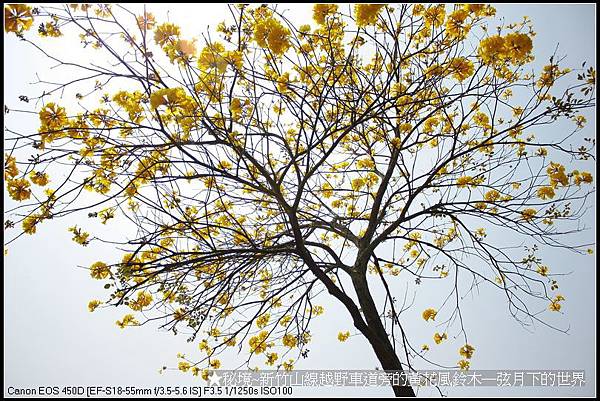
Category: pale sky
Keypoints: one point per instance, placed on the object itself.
(50, 338)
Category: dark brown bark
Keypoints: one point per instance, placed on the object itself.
(377, 335)
(372, 328)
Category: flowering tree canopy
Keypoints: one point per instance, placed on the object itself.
(268, 162)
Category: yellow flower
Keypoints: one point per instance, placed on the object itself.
(464, 364)
(39, 178)
(53, 117)
(18, 189)
(438, 338)
(17, 18)
(304, 28)
(425, 347)
(186, 47)
(10, 167)
(466, 351)
(258, 343)
(418, 9)
(263, 320)
(146, 21)
(461, 68)
(429, 313)
(343, 336)
(463, 181)
(327, 190)
(106, 214)
(480, 9)
(366, 14)
(289, 365)
(170, 97)
(215, 364)
(29, 224)
(322, 11)
(435, 15)
(366, 163)
(481, 119)
(225, 165)
(212, 57)
(203, 346)
(358, 183)
(583, 177)
(271, 358)
(518, 47)
(284, 321)
(554, 306)
(542, 270)
(183, 366)
(528, 214)
(270, 33)
(456, 26)
(492, 50)
(492, 195)
(557, 175)
(128, 320)
(166, 33)
(545, 193)
(93, 304)
(580, 121)
(289, 340)
(235, 107)
(143, 299)
(99, 270)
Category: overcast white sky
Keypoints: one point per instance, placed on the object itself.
(51, 339)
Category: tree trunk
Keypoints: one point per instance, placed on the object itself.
(377, 336)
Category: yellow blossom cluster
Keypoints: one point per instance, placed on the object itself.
(429, 314)
(438, 338)
(18, 189)
(514, 48)
(466, 352)
(322, 11)
(528, 214)
(99, 270)
(17, 18)
(557, 175)
(258, 344)
(271, 358)
(10, 167)
(93, 304)
(79, 236)
(263, 320)
(128, 320)
(270, 34)
(366, 14)
(555, 304)
(464, 181)
(582, 177)
(289, 340)
(143, 299)
(461, 68)
(39, 178)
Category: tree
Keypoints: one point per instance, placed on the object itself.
(280, 161)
